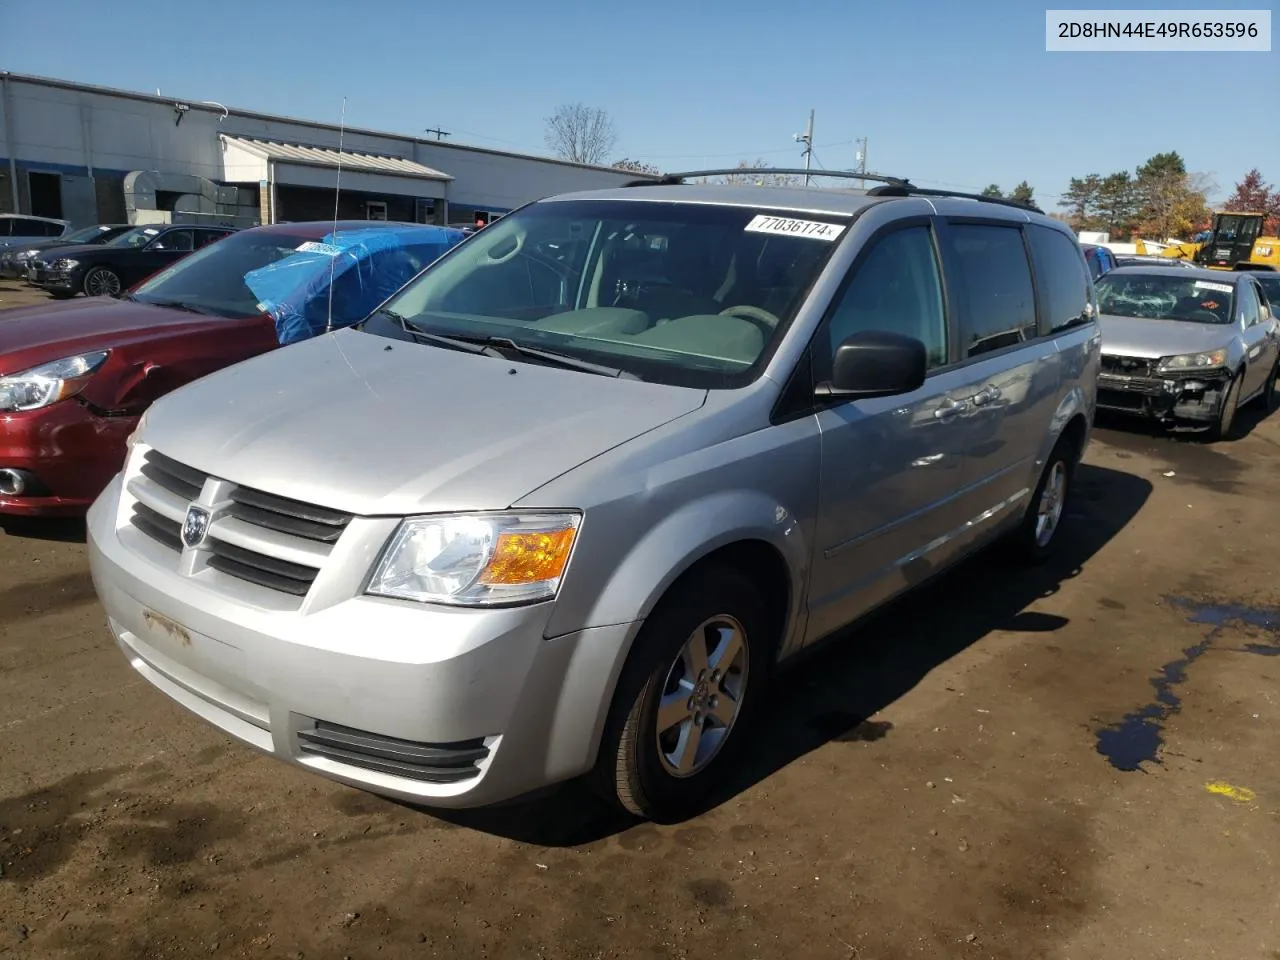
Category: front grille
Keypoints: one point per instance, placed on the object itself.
(1128, 366)
(259, 568)
(270, 541)
(425, 762)
(157, 526)
(173, 476)
(288, 516)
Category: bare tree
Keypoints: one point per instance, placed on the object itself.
(580, 133)
(752, 175)
(636, 166)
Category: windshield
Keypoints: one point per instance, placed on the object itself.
(1238, 228)
(137, 237)
(85, 235)
(212, 278)
(1165, 298)
(684, 294)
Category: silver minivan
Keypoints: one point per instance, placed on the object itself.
(567, 499)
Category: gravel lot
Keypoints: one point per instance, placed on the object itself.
(1071, 762)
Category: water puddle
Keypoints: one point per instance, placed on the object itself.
(1138, 737)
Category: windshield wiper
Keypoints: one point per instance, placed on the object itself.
(494, 347)
(174, 305)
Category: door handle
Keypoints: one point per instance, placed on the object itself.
(986, 395)
(950, 408)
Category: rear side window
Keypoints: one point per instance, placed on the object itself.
(1064, 283)
(996, 295)
(53, 229)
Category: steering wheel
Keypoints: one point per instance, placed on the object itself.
(766, 321)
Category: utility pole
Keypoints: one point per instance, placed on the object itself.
(440, 134)
(862, 161)
(807, 139)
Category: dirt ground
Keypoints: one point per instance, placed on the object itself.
(1070, 762)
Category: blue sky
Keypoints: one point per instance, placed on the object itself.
(948, 94)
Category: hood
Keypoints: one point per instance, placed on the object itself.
(17, 247)
(35, 335)
(1150, 339)
(75, 250)
(359, 423)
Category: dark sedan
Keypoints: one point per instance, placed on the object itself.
(15, 259)
(98, 270)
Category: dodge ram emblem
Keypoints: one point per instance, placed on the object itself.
(195, 526)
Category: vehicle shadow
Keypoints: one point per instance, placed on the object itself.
(831, 694)
(58, 530)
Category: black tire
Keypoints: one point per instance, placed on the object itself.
(633, 769)
(1224, 429)
(100, 282)
(1029, 543)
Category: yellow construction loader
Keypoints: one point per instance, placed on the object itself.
(1234, 243)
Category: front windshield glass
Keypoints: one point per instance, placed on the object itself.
(85, 235)
(212, 279)
(1160, 297)
(137, 237)
(678, 293)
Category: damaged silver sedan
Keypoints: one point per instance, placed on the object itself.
(1187, 348)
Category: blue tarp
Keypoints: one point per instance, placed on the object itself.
(366, 266)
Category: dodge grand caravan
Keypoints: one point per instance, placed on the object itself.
(563, 503)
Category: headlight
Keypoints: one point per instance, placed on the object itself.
(25, 254)
(477, 560)
(65, 264)
(1194, 361)
(48, 383)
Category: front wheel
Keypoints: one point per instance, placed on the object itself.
(1224, 428)
(686, 695)
(101, 282)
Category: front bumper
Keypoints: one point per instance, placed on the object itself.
(1190, 397)
(440, 706)
(67, 454)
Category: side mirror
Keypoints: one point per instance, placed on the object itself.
(875, 363)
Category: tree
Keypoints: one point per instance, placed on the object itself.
(1252, 194)
(750, 178)
(1116, 204)
(636, 166)
(1023, 193)
(1173, 202)
(993, 190)
(1082, 199)
(580, 133)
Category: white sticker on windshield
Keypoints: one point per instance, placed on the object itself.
(787, 227)
(313, 246)
(1211, 285)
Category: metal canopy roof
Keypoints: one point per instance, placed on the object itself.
(328, 157)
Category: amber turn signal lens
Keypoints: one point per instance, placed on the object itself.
(529, 557)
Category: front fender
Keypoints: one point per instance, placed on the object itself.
(614, 614)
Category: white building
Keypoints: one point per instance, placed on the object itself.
(94, 155)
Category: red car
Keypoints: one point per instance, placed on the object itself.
(75, 377)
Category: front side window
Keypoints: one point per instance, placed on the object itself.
(211, 280)
(1163, 297)
(679, 293)
(895, 288)
(997, 298)
(136, 238)
(1250, 309)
